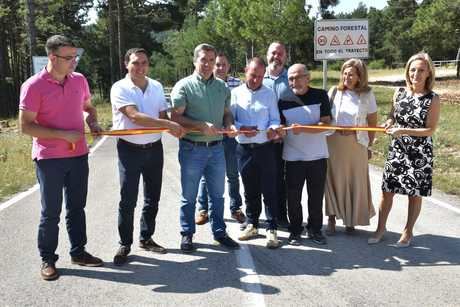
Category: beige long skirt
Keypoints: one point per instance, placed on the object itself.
(348, 192)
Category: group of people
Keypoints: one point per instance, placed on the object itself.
(256, 129)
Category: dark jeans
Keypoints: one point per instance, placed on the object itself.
(233, 179)
(132, 163)
(258, 172)
(314, 173)
(280, 165)
(54, 175)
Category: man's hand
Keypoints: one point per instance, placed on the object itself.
(272, 135)
(95, 128)
(248, 131)
(71, 136)
(232, 131)
(209, 129)
(176, 130)
(281, 131)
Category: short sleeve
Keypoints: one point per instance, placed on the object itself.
(227, 97)
(119, 97)
(30, 97)
(87, 92)
(162, 98)
(372, 103)
(179, 95)
(325, 108)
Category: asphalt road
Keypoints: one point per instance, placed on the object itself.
(345, 272)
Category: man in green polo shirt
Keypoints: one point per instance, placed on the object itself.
(201, 103)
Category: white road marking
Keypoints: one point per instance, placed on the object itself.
(34, 188)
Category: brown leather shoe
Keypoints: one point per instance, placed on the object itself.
(48, 271)
(202, 218)
(239, 216)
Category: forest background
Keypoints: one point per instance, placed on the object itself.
(170, 29)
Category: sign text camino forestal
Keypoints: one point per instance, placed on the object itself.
(341, 39)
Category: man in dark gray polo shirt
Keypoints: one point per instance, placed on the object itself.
(201, 103)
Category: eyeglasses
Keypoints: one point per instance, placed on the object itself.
(69, 57)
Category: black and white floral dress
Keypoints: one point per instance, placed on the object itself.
(409, 165)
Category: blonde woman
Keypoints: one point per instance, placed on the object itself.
(348, 194)
(409, 166)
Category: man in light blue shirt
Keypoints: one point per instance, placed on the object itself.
(255, 111)
(276, 76)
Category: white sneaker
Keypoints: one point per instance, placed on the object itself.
(249, 232)
(272, 239)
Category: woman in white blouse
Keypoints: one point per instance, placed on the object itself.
(348, 194)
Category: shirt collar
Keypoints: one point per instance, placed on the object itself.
(45, 75)
(131, 83)
(283, 74)
(201, 79)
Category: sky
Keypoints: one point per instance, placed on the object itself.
(347, 6)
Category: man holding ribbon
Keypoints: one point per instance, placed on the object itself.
(201, 103)
(51, 110)
(305, 151)
(138, 102)
(254, 107)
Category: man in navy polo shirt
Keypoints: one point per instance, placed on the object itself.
(305, 151)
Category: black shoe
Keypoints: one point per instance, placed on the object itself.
(86, 259)
(121, 257)
(294, 239)
(186, 244)
(150, 245)
(283, 224)
(317, 237)
(227, 242)
(48, 271)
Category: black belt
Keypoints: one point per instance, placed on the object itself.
(205, 144)
(141, 146)
(254, 145)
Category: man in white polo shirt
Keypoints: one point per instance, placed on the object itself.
(139, 102)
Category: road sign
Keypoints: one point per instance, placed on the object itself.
(38, 63)
(341, 39)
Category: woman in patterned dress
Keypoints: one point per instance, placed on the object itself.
(409, 165)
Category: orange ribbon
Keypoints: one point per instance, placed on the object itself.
(124, 132)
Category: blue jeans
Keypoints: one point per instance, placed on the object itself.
(233, 180)
(54, 176)
(195, 162)
(132, 163)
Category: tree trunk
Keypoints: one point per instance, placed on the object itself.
(121, 36)
(458, 63)
(114, 74)
(32, 37)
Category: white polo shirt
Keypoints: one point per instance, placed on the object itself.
(151, 102)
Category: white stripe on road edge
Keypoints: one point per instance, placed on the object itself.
(250, 280)
(430, 198)
(24, 194)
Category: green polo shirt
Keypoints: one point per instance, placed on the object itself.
(204, 100)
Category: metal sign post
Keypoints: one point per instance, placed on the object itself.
(340, 39)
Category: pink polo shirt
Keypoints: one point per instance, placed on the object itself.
(57, 106)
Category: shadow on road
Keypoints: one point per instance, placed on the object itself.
(211, 267)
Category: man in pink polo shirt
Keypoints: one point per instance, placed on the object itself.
(51, 110)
